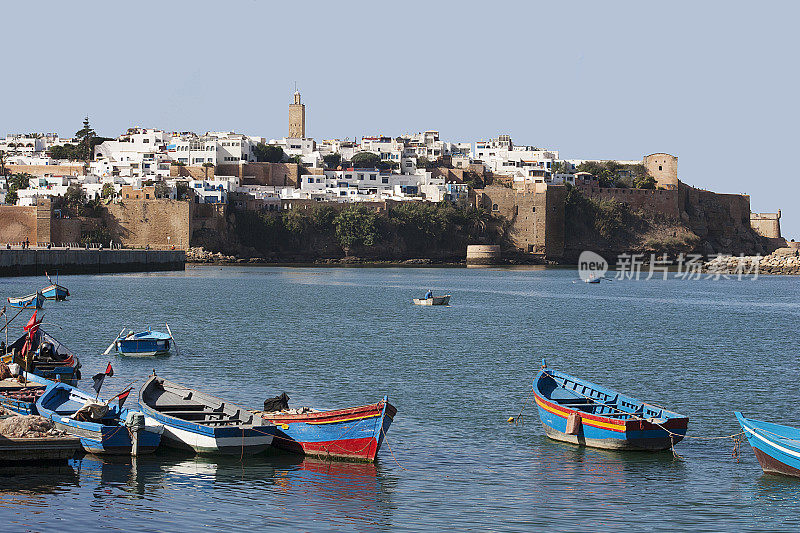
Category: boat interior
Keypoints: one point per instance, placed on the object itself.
(66, 403)
(24, 392)
(582, 396)
(193, 406)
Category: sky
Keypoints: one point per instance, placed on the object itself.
(714, 83)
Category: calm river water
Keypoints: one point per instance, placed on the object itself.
(344, 336)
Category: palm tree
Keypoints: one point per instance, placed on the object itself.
(206, 166)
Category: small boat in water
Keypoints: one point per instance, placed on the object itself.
(777, 447)
(101, 427)
(144, 343)
(43, 355)
(578, 411)
(433, 300)
(54, 291)
(202, 423)
(354, 434)
(31, 301)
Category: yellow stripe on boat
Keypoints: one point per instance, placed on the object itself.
(587, 421)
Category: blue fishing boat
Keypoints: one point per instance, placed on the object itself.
(40, 353)
(54, 291)
(777, 447)
(353, 434)
(198, 422)
(100, 426)
(580, 412)
(144, 343)
(31, 301)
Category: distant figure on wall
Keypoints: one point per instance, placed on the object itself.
(429, 294)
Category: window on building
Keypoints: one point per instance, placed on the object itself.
(372, 177)
(384, 180)
(495, 207)
(147, 196)
(534, 209)
(659, 167)
(311, 180)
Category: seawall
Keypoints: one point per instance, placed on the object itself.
(35, 262)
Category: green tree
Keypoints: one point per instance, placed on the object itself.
(356, 226)
(332, 160)
(296, 159)
(108, 190)
(268, 153)
(15, 182)
(2, 163)
(423, 162)
(366, 160)
(85, 134)
(206, 166)
(75, 199)
(182, 189)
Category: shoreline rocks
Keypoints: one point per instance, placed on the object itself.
(781, 262)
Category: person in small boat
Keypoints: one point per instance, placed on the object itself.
(428, 295)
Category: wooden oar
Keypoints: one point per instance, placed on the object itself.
(173, 338)
(113, 343)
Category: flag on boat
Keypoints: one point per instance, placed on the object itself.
(122, 396)
(99, 378)
(31, 327)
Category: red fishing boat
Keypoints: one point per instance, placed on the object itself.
(354, 434)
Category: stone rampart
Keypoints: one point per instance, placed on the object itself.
(659, 201)
(47, 170)
(17, 223)
(35, 262)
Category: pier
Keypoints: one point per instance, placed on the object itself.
(37, 261)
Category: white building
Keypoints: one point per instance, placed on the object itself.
(524, 163)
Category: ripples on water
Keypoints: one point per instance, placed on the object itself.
(334, 337)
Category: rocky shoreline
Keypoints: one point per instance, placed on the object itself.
(784, 261)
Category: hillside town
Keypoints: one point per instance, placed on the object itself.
(244, 172)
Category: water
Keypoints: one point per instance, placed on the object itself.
(343, 336)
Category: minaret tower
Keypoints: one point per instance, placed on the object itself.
(297, 118)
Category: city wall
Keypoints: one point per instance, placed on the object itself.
(49, 170)
(17, 223)
(277, 174)
(659, 201)
(31, 262)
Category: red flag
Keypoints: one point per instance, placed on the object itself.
(109, 371)
(122, 397)
(32, 323)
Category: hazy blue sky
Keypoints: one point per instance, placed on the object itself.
(714, 83)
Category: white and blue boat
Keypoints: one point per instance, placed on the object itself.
(31, 301)
(144, 343)
(198, 422)
(777, 447)
(102, 429)
(44, 356)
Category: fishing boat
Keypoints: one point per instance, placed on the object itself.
(41, 354)
(19, 396)
(433, 300)
(580, 412)
(777, 447)
(144, 343)
(592, 279)
(55, 292)
(355, 433)
(202, 423)
(31, 301)
(100, 426)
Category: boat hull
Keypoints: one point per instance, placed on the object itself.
(354, 434)
(616, 430)
(143, 347)
(55, 292)
(436, 300)
(201, 423)
(776, 447)
(27, 302)
(108, 440)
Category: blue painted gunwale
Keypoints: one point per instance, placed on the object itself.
(66, 371)
(30, 301)
(60, 401)
(609, 420)
(777, 447)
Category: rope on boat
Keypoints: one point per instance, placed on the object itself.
(390, 450)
